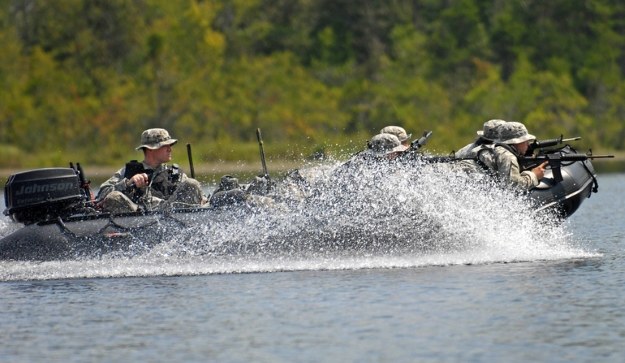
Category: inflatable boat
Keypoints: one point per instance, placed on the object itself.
(60, 220)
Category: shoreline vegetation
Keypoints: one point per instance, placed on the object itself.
(85, 78)
(209, 172)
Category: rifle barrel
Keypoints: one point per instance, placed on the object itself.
(572, 139)
(537, 144)
(600, 156)
(564, 157)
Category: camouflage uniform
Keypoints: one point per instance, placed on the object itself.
(502, 158)
(400, 132)
(489, 134)
(383, 144)
(379, 148)
(229, 192)
(168, 188)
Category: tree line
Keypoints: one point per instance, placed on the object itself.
(83, 78)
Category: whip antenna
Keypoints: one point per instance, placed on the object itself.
(191, 169)
(262, 152)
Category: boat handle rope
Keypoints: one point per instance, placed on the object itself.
(595, 187)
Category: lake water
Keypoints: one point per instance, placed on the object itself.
(519, 289)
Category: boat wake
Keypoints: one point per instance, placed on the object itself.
(374, 216)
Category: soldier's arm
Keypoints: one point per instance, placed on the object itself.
(116, 182)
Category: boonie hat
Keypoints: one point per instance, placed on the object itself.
(382, 144)
(397, 131)
(155, 138)
(491, 129)
(514, 133)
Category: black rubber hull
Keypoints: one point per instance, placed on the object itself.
(133, 234)
(565, 197)
(95, 236)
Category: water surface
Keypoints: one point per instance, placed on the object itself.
(509, 288)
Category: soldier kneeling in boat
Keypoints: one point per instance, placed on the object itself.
(231, 193)
(381, 147)
(150, 184)
(501, 158)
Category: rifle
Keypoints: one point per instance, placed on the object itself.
(415, 145)
(556, 159)
(540, 144)
(433, 159)
(420, 142)
(134, 167)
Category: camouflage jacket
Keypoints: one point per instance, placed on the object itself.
(502, 161)
(163, 182)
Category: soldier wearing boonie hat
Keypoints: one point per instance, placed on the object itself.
(380, 147)
(383, 144)
(155, 139)
(228, 192)
(489, 134)
(150, 184)
(515, 133)
(400, 132)
(491, 130)
(503, 160)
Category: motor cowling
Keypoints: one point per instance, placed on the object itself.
(42, 194)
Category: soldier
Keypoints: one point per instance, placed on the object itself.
(502, 159)
(228, 192)
(487, 136)
(400, 132)
(381, 147)
(384, 145)
(150, 184)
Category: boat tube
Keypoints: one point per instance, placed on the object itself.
(566, 184)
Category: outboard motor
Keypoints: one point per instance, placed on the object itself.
(42, 194)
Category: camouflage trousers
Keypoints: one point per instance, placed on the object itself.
(188, 194)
